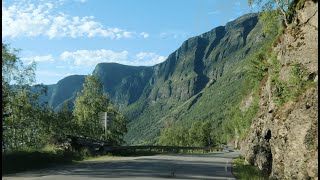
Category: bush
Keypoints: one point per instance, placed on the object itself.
(19, 161)
(243, 171)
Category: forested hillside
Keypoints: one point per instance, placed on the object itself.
(200, 81)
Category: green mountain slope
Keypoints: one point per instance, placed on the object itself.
(198, 81)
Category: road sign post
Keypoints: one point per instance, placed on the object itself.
(105, 124)
(107, 118)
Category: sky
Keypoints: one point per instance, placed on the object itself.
(67, 37)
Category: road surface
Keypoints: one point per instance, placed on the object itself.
(174, 166)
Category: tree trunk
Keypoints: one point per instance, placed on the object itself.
(283, 13)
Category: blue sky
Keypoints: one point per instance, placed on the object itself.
(68, 37)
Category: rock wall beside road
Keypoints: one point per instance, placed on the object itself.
(283, 139)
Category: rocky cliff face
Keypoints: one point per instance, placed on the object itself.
(283, 138)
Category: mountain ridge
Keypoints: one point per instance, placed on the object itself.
(150, 92)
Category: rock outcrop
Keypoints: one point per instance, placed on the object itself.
(283, 138)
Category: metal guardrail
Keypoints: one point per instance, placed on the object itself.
(103, 145)
(112, 148)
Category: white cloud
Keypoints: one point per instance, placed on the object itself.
(49, 73)
(150, 58)
(175, 35)
(30, 20)
(46, 58)
(144, 35)
(82, 1)
(89, 58)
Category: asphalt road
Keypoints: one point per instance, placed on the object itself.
(175, 166)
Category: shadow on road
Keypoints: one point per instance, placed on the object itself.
(199, 166)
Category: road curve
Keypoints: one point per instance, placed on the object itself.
(174, 166)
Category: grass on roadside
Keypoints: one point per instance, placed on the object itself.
(31, 159)
(20, 161)
(122, 153)
(246, 172)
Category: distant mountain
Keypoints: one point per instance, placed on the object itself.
(196, 82)
(124, 84)
(65, 89)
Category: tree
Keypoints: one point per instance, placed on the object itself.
(268, 6)
(64, 121)
(195, 134)
(200, 134)
(89, 103)
(206, 131)
(166, 137)
(117, 128)
(20, 114)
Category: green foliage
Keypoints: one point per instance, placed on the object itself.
(48, 156)
(269, 20)
(118, 127)
(285, 9)
(243, 171)
(18, 161)
(258, 65)
(30, 128)
(285, 90)
(22, 115)
(293, 7)
(269, 5)
(231, 79)
(62, 122)
(298, 79)
(291, 12)
(237, 121)
(199, 135)
(89, 103)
